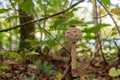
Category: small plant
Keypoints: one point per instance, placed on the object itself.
(31, 78)
(77, 79)
(31, 55)
(13, 55)
(44, 67)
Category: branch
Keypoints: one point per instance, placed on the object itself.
(100, 16)
(44, 18)
(110, 16)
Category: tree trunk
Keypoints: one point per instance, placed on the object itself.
(26, 31)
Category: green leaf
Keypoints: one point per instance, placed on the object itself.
(38, 64)
(106, 2)
(75, 22)
(57, 23)
(78, 63)
(86, 23)
(77, 79)
(20, 1)
(113, 72)
(13, 55)
(51, 42)
(27, 6)
(4, 67)
(95, 29)
(41, 5)
(46, 67)
(4, 10)
(31, 78)
(53, 72)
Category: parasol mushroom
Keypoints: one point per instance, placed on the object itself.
(73, 35)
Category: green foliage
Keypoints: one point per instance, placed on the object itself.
(78, 63)
(86, 23)
(76, 79)
(31, 78)
(13, 55)
(114, 32)
(31, 55)
(113, 72)
(91, 77)
(106, 2)
(51, 42)
(95, 29)
(54, 26)
(44, 67)
(51, 31)
(3, 67)
(91, 31)
(52, 6)
(4, 10)
(38, 64)
(57, 23)
(27, 6)
(53, 72)
(12, 17)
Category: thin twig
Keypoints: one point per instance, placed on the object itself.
(99, 45)
(95, 55)
(97, 51)
(110, 16)
(44, 18)
(116, 44)
(55, 39)
(66, 71)
(95, 14)
(102, 53)
(101, 16)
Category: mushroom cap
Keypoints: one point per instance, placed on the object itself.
(73, 34)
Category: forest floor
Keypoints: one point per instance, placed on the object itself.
(46, 68)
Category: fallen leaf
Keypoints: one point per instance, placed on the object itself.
(113, 72)
(58, 76)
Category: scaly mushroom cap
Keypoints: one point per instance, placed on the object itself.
(73, 34)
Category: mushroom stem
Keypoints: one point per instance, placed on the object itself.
(73, 55)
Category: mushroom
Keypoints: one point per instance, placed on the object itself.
(72, 35)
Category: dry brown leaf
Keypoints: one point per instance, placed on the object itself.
(1, 73)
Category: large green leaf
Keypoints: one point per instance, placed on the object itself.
(75, 22)
(95, 29)
(57, 23)
(27, 6)
(106, 2)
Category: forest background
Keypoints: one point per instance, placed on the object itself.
(32, 34)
